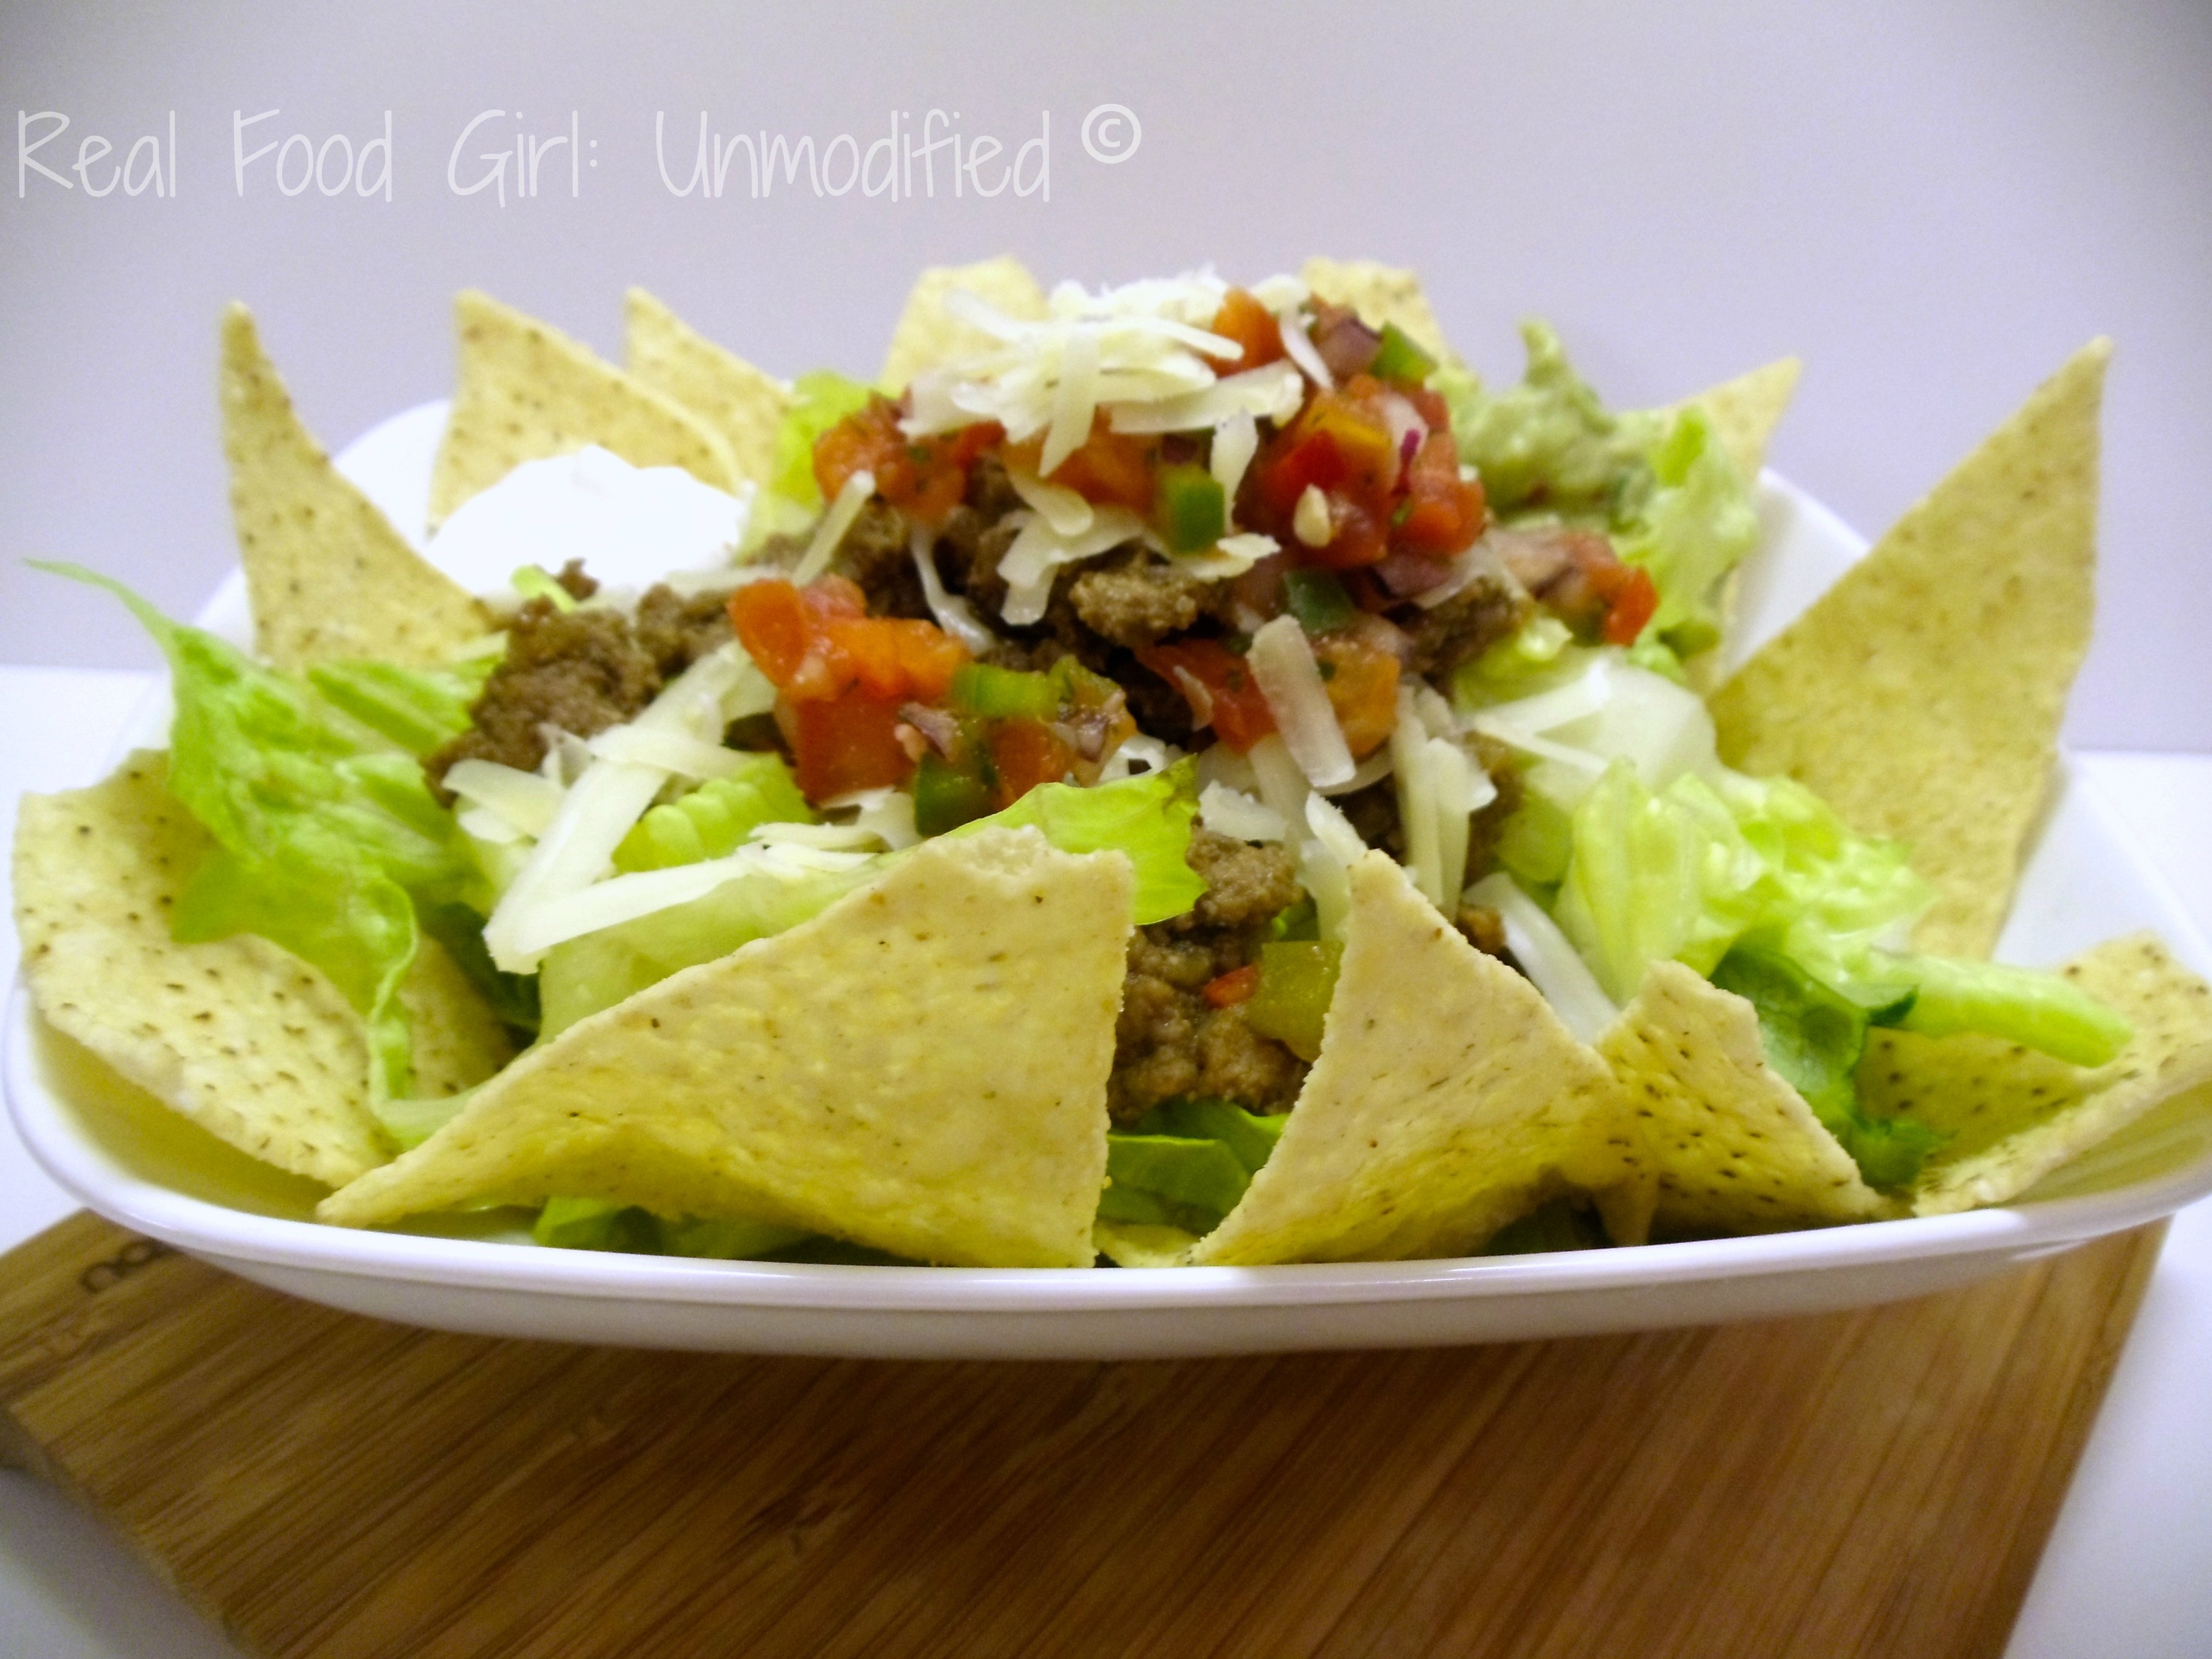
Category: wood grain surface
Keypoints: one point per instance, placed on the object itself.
(1877, 1482)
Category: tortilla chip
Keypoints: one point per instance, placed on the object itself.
(927, 335)
(327, 574)
(1381, 294)
(1448, 1101)
(2014, 1115)
(901, 1071)
(1746, 411)
(742, 404)
(1920, 696)
(528, 390)
(238, 1035)
(1736, 1149)
(1141, 1244)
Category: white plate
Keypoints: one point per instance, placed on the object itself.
(142, 1166)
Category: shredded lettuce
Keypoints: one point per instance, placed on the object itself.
(710, 821)
(593, 1223)
(324, 837)
(1693, 527)
(793, 498)
(1759, 886)
(583, 975)
(1186, 1162)
(1687, 872)
(1147, 818)
(1814, 1035)
(420, 709)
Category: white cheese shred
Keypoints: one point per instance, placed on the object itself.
(1282, 664)
(830, 532)
(1551, 964)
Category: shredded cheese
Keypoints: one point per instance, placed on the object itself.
(1232, 812)
(835, 522)
(1283, 666)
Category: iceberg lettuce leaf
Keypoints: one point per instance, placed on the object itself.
(325, 836)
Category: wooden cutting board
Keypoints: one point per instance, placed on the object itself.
(1878, 1482)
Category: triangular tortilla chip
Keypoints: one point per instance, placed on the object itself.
(1746, 411)
(743, 406)
(1736, 1149)
(238, 1035)
(922, 1069)
(927, 335)
(1381, 294)
(1920, 696)
(527, 390)
(1448, 1101)
(327, 574)
(2013, 1116)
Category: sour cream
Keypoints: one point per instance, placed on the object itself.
(630, 525)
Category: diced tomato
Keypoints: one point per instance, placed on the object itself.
(924, 477)
(844, 742)
(1357, 537)
(1026, 753)
(1111, 468)
(1234, 987)
(1634, 604)
(1441, 514)
(1227, 695)
(1362, 685)
(1252, 325)
(815, 643)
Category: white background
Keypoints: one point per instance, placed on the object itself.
(1931, 203)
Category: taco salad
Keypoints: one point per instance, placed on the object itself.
(1177, 772)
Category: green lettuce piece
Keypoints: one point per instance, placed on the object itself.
(1557, 1225)
(1692, 527)
(1147, 818)
(1814, 1035)
(420, 709)
(593, 1223)
(710, 821)
(1186, 1163)
(1548, 444)
(584, 975)
(2037, 1011)
(1687, 872)
(1762, 871)
(325, 838)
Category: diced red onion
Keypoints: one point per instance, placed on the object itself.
(1407, 574)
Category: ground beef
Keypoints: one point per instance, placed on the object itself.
(1491, 608)
(676, 632)
(1167, 1040)
(1246, 887)
(1137, 600)
(876, 554)
(582, 670)
(1483, 929)
(574, 583)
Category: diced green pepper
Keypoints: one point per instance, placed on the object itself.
(1398, 359)
(1004, 693)
(946, 796)
(1193, 511)
(1298, 978)
(1317, 600)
